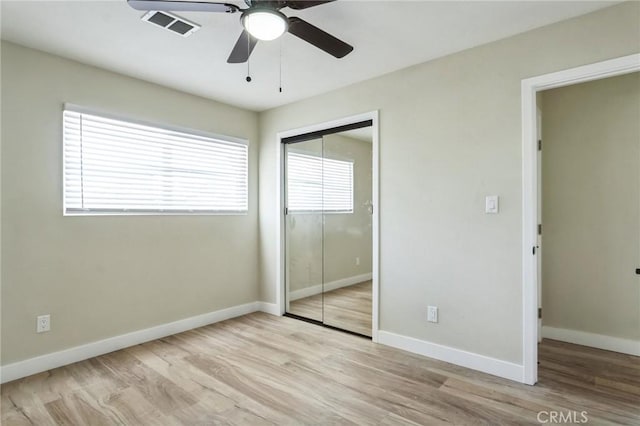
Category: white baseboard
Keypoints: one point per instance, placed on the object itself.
(600, 341)
(333, 285)
(466, 359)
(268, 308)
(46, 362)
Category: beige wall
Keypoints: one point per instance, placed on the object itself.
(591, 207)
(318, 253)
(450, 135)
(104, 276)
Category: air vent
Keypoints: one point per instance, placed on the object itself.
(171, 22)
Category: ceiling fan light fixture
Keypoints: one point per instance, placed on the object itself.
(264, 24)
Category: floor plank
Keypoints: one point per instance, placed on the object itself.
(265, 370)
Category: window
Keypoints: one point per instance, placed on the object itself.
(316, 184)
(119, 167)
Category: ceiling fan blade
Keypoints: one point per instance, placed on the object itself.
(317, 37)
(182, 6)
(305, 4)
(243, 48)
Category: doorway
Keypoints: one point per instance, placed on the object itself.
(530, 166)
(590, 213)
(329, 237)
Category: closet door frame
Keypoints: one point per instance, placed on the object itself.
(311, 132)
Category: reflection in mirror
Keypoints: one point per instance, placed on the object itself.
(304, 267)
(347, 231)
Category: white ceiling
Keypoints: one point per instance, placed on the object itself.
(387, 36)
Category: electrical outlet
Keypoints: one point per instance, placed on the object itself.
(357, 261)
(432, 314)
(43, 323)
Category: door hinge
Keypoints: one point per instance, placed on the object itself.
(539, 144)
(539, 229)
(539, 313)
(286, 211)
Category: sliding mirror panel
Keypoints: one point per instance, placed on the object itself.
(304, 235)
(347, 231)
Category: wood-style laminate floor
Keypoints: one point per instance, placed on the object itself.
(265, 370)
(348, 308)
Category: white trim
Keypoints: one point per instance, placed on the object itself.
(280, 230)
(496, 367)
(333, 285)
(375, 199)
(600, 341)
(529, 236)
(280, 223)
(529, 87)
(268, 308)
(46, 362)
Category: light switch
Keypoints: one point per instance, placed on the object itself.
(491, 204)
(432, 313)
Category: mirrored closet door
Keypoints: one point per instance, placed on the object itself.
(328, 233)
(304, 229)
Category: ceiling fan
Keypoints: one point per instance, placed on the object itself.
(262, 20)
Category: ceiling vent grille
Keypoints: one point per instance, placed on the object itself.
(171, 22)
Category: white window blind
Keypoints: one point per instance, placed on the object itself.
(316, 184)
(118, 167)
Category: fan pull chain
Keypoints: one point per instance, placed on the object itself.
(248, 50)
(280, 65)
